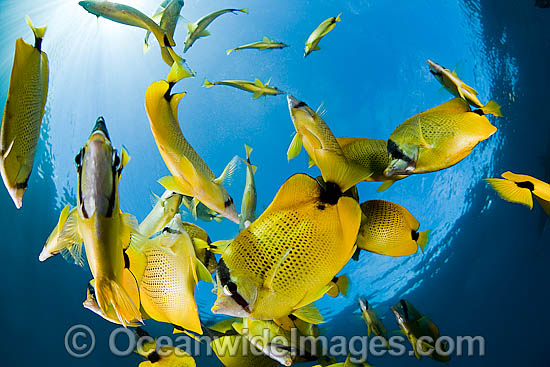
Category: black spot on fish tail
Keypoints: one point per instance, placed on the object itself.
(22, 185)
(355, 256)
(435, 73)
(330, 193)
(126, 260)
(334, 280)
(405, 309)
(479, 112)
(525, 185)
(300, 104)
(415, 235)
(168, 95)
(396, 152)
(153, 357)
(38, 43)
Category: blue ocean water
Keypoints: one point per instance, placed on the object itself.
(485, 269)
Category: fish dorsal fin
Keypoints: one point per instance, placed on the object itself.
(309, 313)
(455, 105)
(266, 40)
(204, 33)
(228, 171)
(259, 83)
(191, 27)
(298, 189)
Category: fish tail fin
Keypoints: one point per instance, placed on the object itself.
(243, 10)
(179, 69)
(207, 83)
(146, 45)
(492, 108)
(423, 238)
(385, 185)
(39, 32)
(248, 151)
(509, 191)
(337, 19)
(229, 51)
(110, 293)
(343, 284)
(337, 169)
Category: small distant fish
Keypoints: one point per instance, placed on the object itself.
(374, 324)
(520, 189)
(389, 229)
(191, 175)
(288, 257)
(159, 354)
(437, 138)
(320, 143)
(265, 44)
(415, 326)
(312, 43)
(167, 17)
(451, 82)
(128, 15)
(198, 29)
(248, 205)
(23, 114)
(167, 269)
(164, 210)
(256, 87)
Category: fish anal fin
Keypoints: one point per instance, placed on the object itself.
(384, 186)
(257, 94)
(204, 33)
(172, 184)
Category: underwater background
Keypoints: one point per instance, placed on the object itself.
(484, 271)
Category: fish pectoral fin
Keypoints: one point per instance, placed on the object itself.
(295, 147)
(130, 235)
(257, 94)
(469, 89)
(228, 171)
(170, 183)
(203, 33)
(509, 191)
(309, 313)
(384, 186)
(316, 48)
(266, 40)
(202, 272)
(70, 240)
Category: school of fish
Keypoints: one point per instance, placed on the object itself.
(284, 258)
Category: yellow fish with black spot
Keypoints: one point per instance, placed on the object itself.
(372, 155)
(389, 229)
(312, 43)
(287, 258)
(164, 210)
(23, 114)
(167, 269)
(160, 354)
(191, 175)
(322, 146)
(415, 326)
(437, 138)
(520, 189)
(100, 224)
(451, 82)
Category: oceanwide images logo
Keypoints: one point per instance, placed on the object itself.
(80, 342)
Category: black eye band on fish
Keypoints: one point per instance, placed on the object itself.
(301, 104)
(526, 185)
(397, 153)
(435, 73)
(153, 357)
(229, 287)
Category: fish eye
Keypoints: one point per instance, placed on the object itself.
(116, 159)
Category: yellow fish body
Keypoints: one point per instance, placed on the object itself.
(257, 88)
(389, 229)
(128, 15)
(451, 82)
(414, 326)
(265, 44)
(520, 189)
(164, 210)
(374, 324)
(312, 43)
(191, 175)
(237, 351)
(287, 258)
(161, 355)
(372, 154)
(198, 29)
(324, 151)
(248, 205)
(23, 114)
(437, 138)
(167, 275)
(99, 223)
